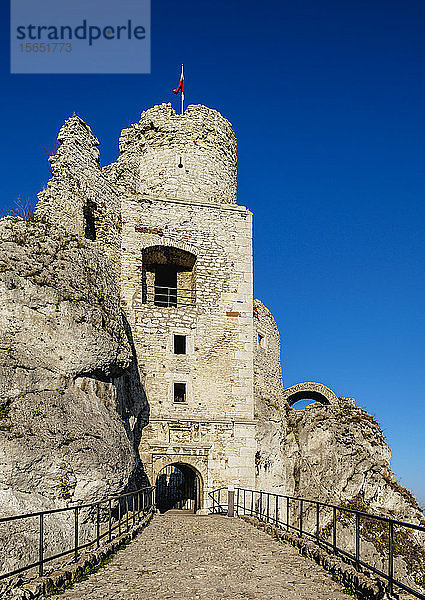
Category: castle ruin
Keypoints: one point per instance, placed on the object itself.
(166, 215)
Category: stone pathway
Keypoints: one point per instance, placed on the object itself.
(186, 557)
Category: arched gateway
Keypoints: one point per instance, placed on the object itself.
(178, 486)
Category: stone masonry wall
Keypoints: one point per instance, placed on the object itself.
(214, 429)
(179, 156)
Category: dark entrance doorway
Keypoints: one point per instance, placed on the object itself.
(178, 486)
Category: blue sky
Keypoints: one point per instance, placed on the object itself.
(327, 101)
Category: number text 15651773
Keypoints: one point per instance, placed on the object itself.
(41, 47)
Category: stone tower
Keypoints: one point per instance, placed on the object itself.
(186, 285)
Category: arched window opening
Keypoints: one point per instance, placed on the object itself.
(178, 486)
(168, 276)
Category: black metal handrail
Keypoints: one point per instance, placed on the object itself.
(268, 507)
(217, 507)
(129, 506)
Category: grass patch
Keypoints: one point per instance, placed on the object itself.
(5, 409)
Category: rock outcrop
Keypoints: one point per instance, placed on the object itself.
(71, 403)
(332, 451)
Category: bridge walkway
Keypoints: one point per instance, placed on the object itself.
(213, 557)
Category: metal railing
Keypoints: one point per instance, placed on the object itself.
(165, 296)
(292, 514)
(109, 518)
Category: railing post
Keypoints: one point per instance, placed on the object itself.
(219, 498)
(97, 525)
(126, 514)
(244, 501)
(260, 506)
(110, 520)
(334, 530)
(301, 517)
(237, 502)
(268, 508)
(230, 501)
(317, 521)
(132, 506)
(391, 556)
(119, 516)
(276, 514)
(76, 534)
(41, 546)
(252, 502)
(287, 513)
(357, 541)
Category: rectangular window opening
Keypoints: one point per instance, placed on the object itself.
(261, 340)
(179, 344)
(165, 285)
(179, 392)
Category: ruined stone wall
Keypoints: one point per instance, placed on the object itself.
(269, 408)
(79, 197)
(268, 384)
(214, 429)
(189, 156)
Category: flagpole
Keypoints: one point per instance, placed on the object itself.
(182, 91)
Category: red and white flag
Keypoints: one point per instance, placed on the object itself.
(179, 88)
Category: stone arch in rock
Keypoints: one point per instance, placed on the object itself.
(309, 390)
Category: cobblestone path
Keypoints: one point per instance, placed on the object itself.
(186, 557)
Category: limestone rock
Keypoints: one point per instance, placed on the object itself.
(71, 403)
(332, 451)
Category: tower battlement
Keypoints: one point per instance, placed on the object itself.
(189, 156)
